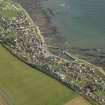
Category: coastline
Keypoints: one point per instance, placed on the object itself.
(43, 18)
(73, 73)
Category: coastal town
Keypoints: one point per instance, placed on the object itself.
(24, 40)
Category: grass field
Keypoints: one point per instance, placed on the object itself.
(78, 101)
(27, 86)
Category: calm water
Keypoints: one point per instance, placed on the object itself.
(82, 22)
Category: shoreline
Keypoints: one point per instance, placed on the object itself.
(43, 18)
(27, 46)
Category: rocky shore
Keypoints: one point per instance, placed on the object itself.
(95, 56)
(43, 18)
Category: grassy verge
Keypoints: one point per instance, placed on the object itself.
(27, 86)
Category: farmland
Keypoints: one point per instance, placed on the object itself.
(27, 86)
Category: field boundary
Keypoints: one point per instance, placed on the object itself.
(79, 100)
(4, 98)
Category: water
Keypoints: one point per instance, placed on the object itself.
(81, 22)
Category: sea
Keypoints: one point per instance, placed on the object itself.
(81, 22)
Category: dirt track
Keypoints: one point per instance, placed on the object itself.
(78, 101)
(3, 101)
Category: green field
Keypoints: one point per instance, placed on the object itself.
(8, 10)
(27, 86)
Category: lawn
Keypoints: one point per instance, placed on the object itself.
(27, 86)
